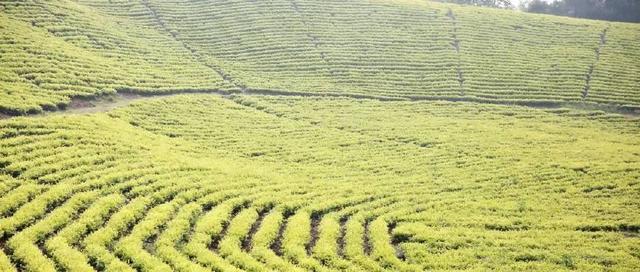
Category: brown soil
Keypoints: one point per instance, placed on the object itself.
(395, 242)
(276, 246)
(315, 232)
(215, 243)
(341, 237)
(246, 243)
(366, 242)
(104, 104)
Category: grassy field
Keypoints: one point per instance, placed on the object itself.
(382, 135)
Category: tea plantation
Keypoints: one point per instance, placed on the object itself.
(300, 135)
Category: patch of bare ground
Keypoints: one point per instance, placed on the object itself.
(102, 104)
(246, 243)
(341, 237)
(276, 246)
(124, 98)
(395, 242)
(598, 50)
(455, 42)
(366, 240)
(315, 232)
(107, 103)
(215, 242)
(3, 242)
(149, 244)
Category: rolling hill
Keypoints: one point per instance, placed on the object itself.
(387, 49)
(380, 135)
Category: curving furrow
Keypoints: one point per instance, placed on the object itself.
(301, 235)
(169, 243)
(187, 236)
(176, 232)
(133, 249)
(230, 226)
(382, 249)
(248, 239)
(35, 209)
(49, 200)
(230, 246)
(61, 246)
(357, 242)
(25, 245)
(294, 242)
(137, 236)
(337, 236)
(359, 245)
(343, 240)
(99, 244)
(212, 245)
(266, 242)
(206, 230)
(326, 246)
(152, 213)
(7, 183)
(13, 199)
(96, 245)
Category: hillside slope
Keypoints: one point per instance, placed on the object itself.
(350, 164)
(382, 48)
(250, 183)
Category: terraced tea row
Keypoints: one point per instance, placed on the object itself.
(415, 50)
(326, 184)
(383, 48)
(55, 50)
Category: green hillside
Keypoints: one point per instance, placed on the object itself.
(299, 135)
(384, 48)
(198, 183)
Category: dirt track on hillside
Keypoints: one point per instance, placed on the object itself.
(107, 103)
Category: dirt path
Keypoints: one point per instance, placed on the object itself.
(107, 103)
(455, 42)
(102, 104)
(598, 50)
(162, 24)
